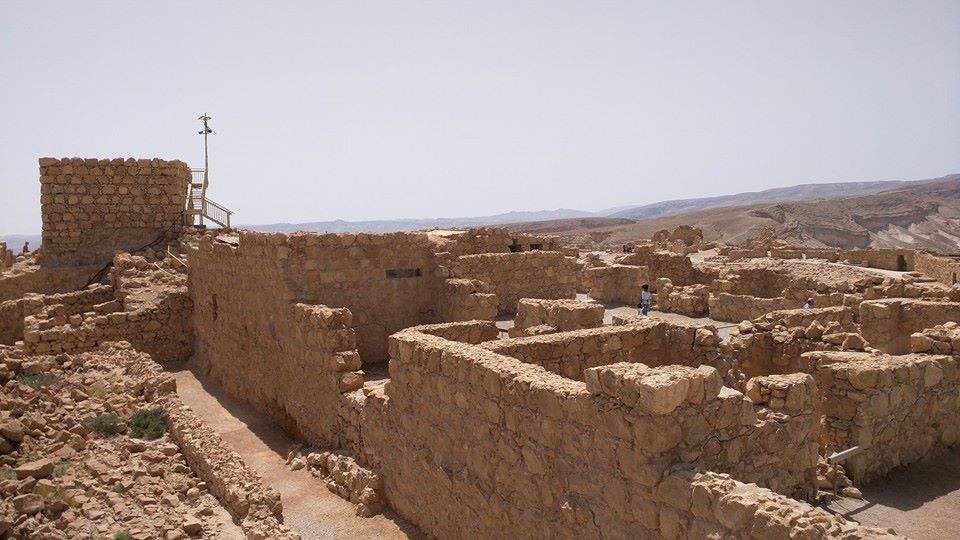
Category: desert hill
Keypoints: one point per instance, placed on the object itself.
(920, 215)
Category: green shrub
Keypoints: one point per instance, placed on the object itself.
(148, 423)
(37, 381)
(105, 424)
(122, 535)
(117, 488)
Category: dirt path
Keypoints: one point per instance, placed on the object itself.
(308, 507)
(921, 501)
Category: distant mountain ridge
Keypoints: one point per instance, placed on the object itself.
(397, 225)
(921, 214)
(801, 192)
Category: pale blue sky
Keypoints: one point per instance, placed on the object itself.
(375, 110)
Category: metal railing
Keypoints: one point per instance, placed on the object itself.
(216, 213)
(198, 205)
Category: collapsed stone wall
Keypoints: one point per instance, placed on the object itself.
(616, 283)
(256, 507)
(512, 276)
(474, 443)
(12, 312)
(898, 409)
(887, 324)
(93, 207)
(944, 269)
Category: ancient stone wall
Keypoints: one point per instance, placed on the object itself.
(472, 332)
(677, 268)
(738, 307)
(93, 207)
(898, 409)
(643, 340)
(512, 276)
(941, 339)
(491, 240)
(888, 324)
(944, 269)
(692, 300)
(558, 315)
(12, 312)
(466, 300)
(480, 443)
(887, 259)
(6, 257)
(161, 329)
(617, 283)
(774, 343)
(712, 505)
(28, 277)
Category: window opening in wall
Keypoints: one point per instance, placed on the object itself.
(901, 263)
(395, 273)
(515, 247)
(536, 247)
(214, 307)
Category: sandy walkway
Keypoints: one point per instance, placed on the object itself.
(308, 507)
(921, 500)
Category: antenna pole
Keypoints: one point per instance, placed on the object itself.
(206, 154)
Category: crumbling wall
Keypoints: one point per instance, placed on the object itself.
(558, 315)
(712, 505)
(679, 269)
(897, 409)
(692, 300)
(887, 259)
(652, 342)
(466, 300)
(774, 342)
(888, 324)
(12, 312)
(161, 329)
(28, 277)
(480, 443)
(616, 283)
(941, 339)
(6, 257)
(491, 240)
(738, 307)
(512, 276)
(93, 207)
(944, 269)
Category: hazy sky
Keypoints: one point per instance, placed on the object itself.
(371, 110)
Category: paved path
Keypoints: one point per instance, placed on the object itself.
(724, 329)
(308, 507)
(921, 500)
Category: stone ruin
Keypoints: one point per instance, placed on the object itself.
(476, 383)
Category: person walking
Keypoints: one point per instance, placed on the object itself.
(645, 299)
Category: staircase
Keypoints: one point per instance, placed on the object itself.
(198, 206)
